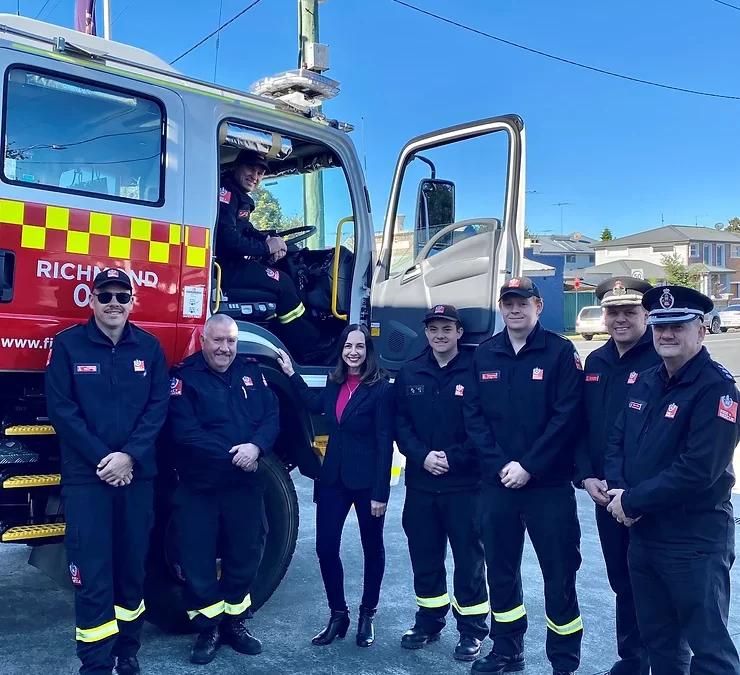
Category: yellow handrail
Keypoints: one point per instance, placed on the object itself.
(217, 267)
(335, 269)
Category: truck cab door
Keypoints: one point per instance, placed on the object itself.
(467, 236)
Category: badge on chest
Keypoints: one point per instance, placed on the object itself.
(538, 374)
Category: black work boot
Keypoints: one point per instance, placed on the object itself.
(337, 628)
(235, 634)
(365, 628)
(206, 645)
(416, 637)
(498, 663)
(128, 665)
(468, 648)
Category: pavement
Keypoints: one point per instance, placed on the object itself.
(37, 618)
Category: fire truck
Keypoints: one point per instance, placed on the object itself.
(112, 159)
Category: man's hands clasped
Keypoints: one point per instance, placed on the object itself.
(514, 476)
(116, 469)
(246, 456)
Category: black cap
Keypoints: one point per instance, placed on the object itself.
(521, 286)
(619, 291)
(442, 312)
(251, 158)
(675, 304)
(114, 275)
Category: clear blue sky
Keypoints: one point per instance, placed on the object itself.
(622, 153)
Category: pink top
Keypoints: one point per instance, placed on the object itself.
(345, 393)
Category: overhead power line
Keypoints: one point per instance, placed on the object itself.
(118, 16)
(218, 30)
(42, 9)
(727, 4)
(560, 58)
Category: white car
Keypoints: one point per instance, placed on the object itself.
(590, 321)
(729, 317)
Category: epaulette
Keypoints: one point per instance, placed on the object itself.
(725, 373)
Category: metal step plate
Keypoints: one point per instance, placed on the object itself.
(28, 532)
(30, 430)
(41, 480)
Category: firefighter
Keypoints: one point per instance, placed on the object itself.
(106, 392)
(611, 371)
(521, 415)
(442, 491)
(669, 470)
(223, 418)
(246, 254)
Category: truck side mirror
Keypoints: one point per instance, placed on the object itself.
(435, 208)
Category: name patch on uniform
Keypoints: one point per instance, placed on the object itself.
(415, 390)
(224, 196)
(459, 390)
(636, 405)
(74, 574)
(273, 274)
(139, 366)
(577, 360)
(538, 373)
(175, 386)
(632, 378)
(491, 375)
(727, 409)
(593, 377)
(244, 213)
(87, 368)
(247, 381)
(671, 411)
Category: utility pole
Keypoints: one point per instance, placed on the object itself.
(561, 205)
(106, 19)
(313, 183)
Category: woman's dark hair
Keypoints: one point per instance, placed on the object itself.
(371, 372)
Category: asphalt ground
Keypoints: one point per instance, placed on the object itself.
(37, 618)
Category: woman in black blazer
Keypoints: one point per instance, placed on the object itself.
(358, 405)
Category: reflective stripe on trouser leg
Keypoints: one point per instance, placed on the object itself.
(293, 314)
(510, 616)
(236, 610)
(482, 608)
(566, 629)
(211, 612)
(433, 603)
(96, 633)
(123, 614)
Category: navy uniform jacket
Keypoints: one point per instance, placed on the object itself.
(103, 398)
(672, 452)
(608, 381)
(359, 453)
(211, 412)
(526, 407)
(429, 416)
(236, 237)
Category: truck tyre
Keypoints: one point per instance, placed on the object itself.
(163, 590)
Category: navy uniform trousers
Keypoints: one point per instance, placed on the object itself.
(430, 520)
(107, 539)
(549, 515)
(226, 523)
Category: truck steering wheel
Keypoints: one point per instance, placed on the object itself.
(303, 232)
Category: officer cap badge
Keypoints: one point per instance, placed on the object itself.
(618, 288)
(667, 299)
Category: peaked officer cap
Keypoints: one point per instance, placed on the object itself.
(675, 304)
(618, 291)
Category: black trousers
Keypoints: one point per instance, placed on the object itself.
(615, 539)
(228, 524)
(430, 520)
(333, 503)
(682, 600)
(549, 516)
(106, 540)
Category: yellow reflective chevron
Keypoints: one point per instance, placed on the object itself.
(98, 633)
(211, 611)
(123, 614)
(433, 603)
(512, 615)
(242, 607)
(482, 608)
(569, 628)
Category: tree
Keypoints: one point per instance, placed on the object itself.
(606, 234)
(268, 215)
(678, 274)
(733, 225)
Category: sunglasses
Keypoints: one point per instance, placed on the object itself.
(105, 297)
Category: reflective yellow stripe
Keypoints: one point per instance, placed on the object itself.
(211, 611)
(569, 628)
(433, 603)
(512, 615)
(98, 633)
(292, 316)
(123, 614)
(395, 471)
(242, 607)
(482, 608)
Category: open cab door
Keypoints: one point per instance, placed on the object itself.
(466, 239)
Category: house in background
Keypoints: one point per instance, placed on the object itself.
(714, 253)
(574, 249)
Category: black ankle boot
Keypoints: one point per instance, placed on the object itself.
(337, 627)
(365, 628)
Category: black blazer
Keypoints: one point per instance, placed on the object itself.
(360, 447)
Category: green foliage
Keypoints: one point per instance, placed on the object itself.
(268, 215)
(678, 274)
(606, 234)
(733, 225)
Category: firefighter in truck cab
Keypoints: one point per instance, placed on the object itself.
(107, 396)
